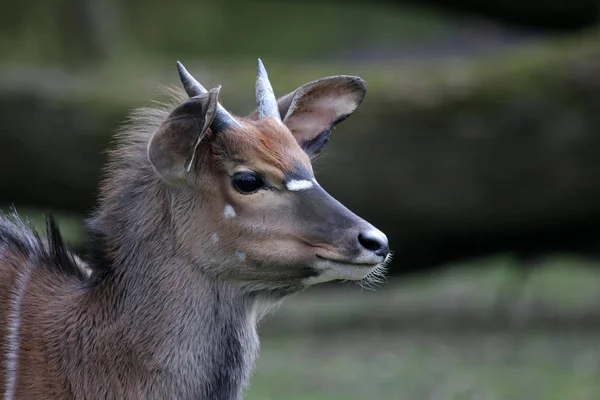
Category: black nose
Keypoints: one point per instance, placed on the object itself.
(374, 241)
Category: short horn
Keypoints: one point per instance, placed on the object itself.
(265, 97)
(192, 87)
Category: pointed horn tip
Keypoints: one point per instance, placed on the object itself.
(182, 71)
(261, 67)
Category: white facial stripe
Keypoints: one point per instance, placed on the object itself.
(295, 185)
(228, 211)
(240, 255)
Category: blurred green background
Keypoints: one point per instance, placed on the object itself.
(476, 151)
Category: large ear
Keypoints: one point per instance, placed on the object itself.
(173, 146)
(312, 110)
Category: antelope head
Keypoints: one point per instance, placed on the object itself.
(243, 194)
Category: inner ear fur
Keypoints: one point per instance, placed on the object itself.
(172, 148)
(312, 110)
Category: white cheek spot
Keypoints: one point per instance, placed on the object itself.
(215, 238)
(240, 255)
(228, 211)
(295, 185)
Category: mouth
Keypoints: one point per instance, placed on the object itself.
(332, 269)
(348, 263)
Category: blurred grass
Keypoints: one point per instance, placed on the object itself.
(391, 351)
(395, 365)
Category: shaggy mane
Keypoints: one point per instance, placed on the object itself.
(127, 168)
(19, 235)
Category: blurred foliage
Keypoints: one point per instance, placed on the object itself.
(41, 32)
(288, 30)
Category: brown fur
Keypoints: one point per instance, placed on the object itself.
(264, 145)
(177, 285)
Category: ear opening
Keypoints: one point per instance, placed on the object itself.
(315, 108)
(312, 110)
(173, 146)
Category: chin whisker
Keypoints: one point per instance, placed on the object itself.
(375, 277)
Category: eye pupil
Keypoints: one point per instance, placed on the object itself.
(246, 182)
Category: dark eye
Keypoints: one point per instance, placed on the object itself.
(247, 182)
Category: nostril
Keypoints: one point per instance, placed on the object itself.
(374, 241)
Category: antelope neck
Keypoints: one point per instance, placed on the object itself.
(193, 337)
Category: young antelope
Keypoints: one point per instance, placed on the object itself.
(205, 221)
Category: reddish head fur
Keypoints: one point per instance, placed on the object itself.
(265, 145)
